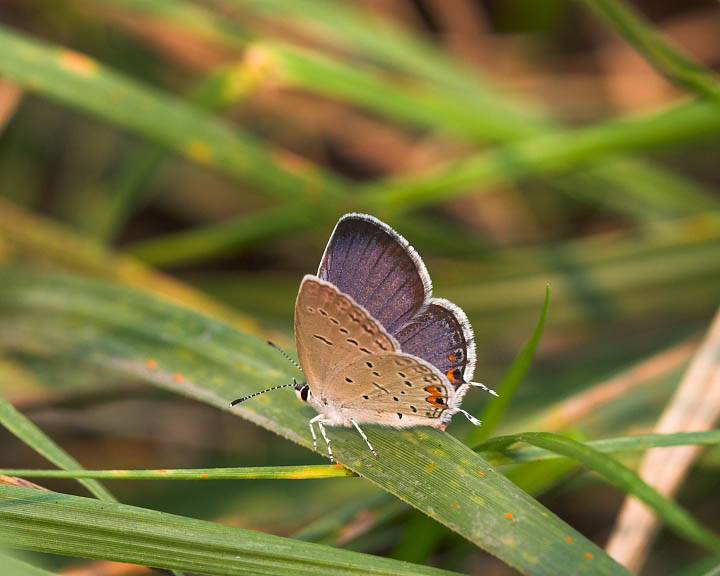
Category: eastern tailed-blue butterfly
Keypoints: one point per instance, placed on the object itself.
(374, 346)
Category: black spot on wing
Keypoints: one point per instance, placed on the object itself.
(437, 336)
(323, 339)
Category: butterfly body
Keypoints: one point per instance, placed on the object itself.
(374, 345)
(356, 371)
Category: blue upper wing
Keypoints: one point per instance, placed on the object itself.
(366, 259)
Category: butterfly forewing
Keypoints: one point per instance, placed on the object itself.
(369, 261)
(331, 330)
(442, 336)
(395, 389)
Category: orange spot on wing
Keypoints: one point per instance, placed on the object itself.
(434, 390)
(588, 555)
(151, 364)
(568, 539)
(177, 377)
(436, 401)
(450, 375)
(451, 357)
(509, 516)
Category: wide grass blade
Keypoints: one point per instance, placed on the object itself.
(64, 524)
(26, 431)
(494, 410)
(88, 321)
(14, 567)
(34, 238)
(628, 481)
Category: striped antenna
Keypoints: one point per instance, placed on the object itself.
(287, 356)
(239, 400)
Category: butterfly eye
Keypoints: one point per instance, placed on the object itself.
(304, 392)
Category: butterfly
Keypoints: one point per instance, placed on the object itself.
(373, 344)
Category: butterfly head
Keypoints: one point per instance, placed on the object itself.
(303, 391)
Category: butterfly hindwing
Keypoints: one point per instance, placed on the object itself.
(367, 260)
(393, 388)
(442, 336)
(331, 330)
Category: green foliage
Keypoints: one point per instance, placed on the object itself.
(224, 139)
(63, 524)
(206, 360)
(494, 411)
(26, 431)
(626, 480)
(14, 567)
(664, 56)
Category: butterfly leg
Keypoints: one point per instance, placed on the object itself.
(324, 435)
(312, 430)
(474, 421)
(480, 385)
(364, 437)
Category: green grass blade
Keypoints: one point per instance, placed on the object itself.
(204, 243)
(84, 83)
(463, 100)
(255, 473)
(385, 42)
(660, 53)
(219, 90)
(628, 481)
(453, 98)
(70, 525)
(495, 409)
(411, 104)
(328, 528)
(26, 431)
(547, 154)
(14, 567)
(635, 443)
(537, 478)
(638, 189)
(708, 566)
(35, 238)
(120, 330)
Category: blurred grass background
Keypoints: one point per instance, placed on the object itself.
(514, 144)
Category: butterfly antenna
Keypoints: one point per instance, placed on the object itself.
(488, 390)
(287, 356)
(239, 400)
